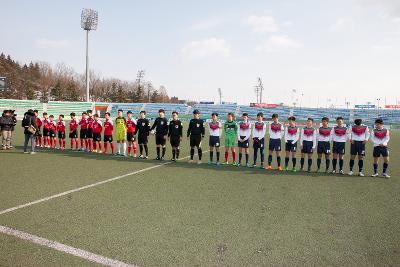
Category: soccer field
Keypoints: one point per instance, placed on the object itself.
(64, 208)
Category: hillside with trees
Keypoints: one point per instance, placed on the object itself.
(40, 80)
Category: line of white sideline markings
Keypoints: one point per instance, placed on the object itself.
(65, 248)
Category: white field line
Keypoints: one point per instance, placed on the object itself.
(63, 248)
(85, 187)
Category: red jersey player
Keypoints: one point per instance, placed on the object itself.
(131, 132)
(38, 137)
(108, 133)
(97, 128)
(83, 132)
(89, 133)
(73, 131)
(46, 131)
(61, 132)
(52, 130)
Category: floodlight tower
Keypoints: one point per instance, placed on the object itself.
(89, 21)
(259, 88)
(220, 95)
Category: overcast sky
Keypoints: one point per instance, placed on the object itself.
(337, 50)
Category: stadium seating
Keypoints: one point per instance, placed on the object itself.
(58, 107)
(20, 106)
(390, 116)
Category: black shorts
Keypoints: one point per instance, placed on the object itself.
(108, 138)
(89, 133)
(83, 134)
(175, 140)
(61, 135)
(160, 139)
(52, 133)
(307, 147)
(214, 141)
(244, 144)
(324, 147)
(258, 143)
(97, 137)
(73, 135)
(130, 137)
(339, 148)
(358, 148)
(290, 147)
(46, 132)
(143, 138)
(274, 144)
(195, 140)
(381, 151)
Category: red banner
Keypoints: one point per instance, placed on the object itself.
(392, 106)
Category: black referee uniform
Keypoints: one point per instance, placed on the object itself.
(196, 132)
(175, 135)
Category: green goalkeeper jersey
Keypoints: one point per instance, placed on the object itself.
(230, 128)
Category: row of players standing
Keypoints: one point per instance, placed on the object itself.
(325, 140)
(236, 134)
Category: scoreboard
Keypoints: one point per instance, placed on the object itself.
(3, 84)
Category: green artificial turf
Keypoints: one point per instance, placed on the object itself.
(184, 214)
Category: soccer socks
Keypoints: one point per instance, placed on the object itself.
(240, 158)
(200, 153)
(211, 155)
(247, 158)
(129, 149)
(119, 148)
(278, 159)
(327, 163)
(360, 165)
(146, 149)
(158, 152)
(105, 147)
(60, 142)
(269, 160)
(191, 153)
(234, 156)
(286, 162)
(351, 164)
(82, 143)
(294, 161)
(177, 152)
(72, 143)
(309, 164)
(334, 163)
(262, 155)
(319, 163)
(375, 168)
(91, 144)
(100, 147)
(163, 151)
(173, 153)
(341, 164)
(226, 156)
(141, 149)
(385, 166)
(218, 156)
(255, 154)
(112, 147)
(302, 163)
(134, 149)
(124, 148)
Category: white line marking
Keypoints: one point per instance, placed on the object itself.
(63, 248)
(85, 187)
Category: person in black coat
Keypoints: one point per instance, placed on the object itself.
(6, 125)
(29, 120)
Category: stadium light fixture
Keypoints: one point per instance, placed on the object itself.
(89, 21)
